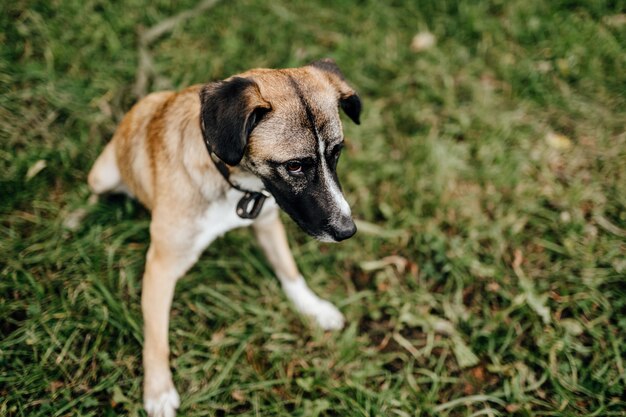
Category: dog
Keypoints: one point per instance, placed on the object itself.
(224, 155)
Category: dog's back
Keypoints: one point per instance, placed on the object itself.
(150, 134)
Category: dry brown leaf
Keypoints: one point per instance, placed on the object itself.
(238, 396)
(615, 20)
(558, 141)
(35, 169)
(397, 261)
(512, 408)
(423, 41)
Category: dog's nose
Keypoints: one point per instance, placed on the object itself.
(345, 230)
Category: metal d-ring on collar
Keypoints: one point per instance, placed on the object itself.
(250, 205)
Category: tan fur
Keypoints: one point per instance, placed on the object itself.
(158, 155)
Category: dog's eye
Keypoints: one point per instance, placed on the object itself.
(336, 152)
(294, 167)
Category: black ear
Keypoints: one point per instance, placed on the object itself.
(351, 105)
(349, 100)
(229, 112)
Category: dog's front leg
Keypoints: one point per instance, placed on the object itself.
(271, 235)
(163, 268)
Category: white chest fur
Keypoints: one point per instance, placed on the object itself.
(220, 217)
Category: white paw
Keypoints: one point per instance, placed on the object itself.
(163, 404)
(326, 315)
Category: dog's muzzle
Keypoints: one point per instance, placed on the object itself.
(344, 231)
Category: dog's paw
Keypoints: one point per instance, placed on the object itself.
(327, 316)
(163, 404)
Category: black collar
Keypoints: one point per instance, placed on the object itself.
(251, 203)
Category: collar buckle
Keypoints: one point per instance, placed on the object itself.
(250, 205)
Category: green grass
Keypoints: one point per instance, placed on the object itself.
(505, 291)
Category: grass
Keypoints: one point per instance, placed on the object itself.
(489, 175)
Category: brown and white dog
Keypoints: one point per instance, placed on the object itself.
(271, 135)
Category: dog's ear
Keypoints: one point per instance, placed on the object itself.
(349, 100)
(229, 111)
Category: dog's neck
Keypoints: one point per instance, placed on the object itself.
(254, 194)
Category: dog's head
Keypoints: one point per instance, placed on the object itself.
(284, 127)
